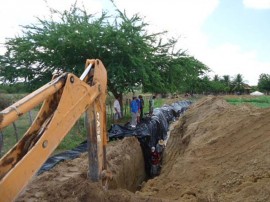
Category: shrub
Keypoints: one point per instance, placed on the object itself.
(4, 102)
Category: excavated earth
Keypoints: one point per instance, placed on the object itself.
(216, 152)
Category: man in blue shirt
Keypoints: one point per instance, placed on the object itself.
(134, 108)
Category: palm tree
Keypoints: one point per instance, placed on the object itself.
(227, 82)
(216, 78)
(226, 79)
(238, 83)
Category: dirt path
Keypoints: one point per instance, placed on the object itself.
(216, 152)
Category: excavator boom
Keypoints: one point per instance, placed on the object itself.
(64, 99)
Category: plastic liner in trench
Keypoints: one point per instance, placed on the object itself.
(149, 132)
(151, 129)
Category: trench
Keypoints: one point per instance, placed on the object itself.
(129, 150)
(148, 133)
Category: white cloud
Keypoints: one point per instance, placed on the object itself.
(230, 59)
(182, 18)
(14, 13)
(257, 4)
(177, 16)
(185, 18)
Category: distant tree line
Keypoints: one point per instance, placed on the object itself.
(264, 83)
(229, 85)
(220, 85)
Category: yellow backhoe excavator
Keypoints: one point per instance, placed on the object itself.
(64, 99)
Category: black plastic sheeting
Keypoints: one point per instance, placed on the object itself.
(149, 132)
(154, 127)
(151, 129)
(66, 155)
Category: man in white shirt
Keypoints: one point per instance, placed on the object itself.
(117, 109)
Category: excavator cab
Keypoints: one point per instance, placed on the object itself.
(64, 100)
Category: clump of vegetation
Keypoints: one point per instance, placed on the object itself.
(261, 102)
(75, 137)
(4, 102)
(13, 88)
(134, 58)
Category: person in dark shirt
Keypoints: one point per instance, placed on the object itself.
(151, 105)
(155, 162)
(139, 109)
(154, 156)
(141, 106)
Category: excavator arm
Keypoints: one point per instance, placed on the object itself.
(64, 99)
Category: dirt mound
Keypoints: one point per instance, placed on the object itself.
(68, 180)
(216, 152)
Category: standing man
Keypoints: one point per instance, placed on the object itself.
(151, 105)
(139, 109)
(117, 109)
(160, 148)
(141, 106)
(134, 108)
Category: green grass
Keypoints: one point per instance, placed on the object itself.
(73, 138)
(261, 102)
(159, 102)
(20, 126)
(127, 117)
(76, 135)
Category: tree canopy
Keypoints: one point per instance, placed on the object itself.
(238, 83)
(132, 56)
(264, 83)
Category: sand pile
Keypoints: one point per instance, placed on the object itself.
(216, 152)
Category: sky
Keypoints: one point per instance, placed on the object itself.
(229, 36)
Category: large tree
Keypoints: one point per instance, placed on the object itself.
(184, 73)
(133, 57)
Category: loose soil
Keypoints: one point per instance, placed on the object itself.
(216, 152)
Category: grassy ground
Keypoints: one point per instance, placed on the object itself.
(261, 101)
(127, 118)
(13, 133)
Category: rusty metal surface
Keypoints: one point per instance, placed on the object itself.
(13, 112)
(65, 99)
